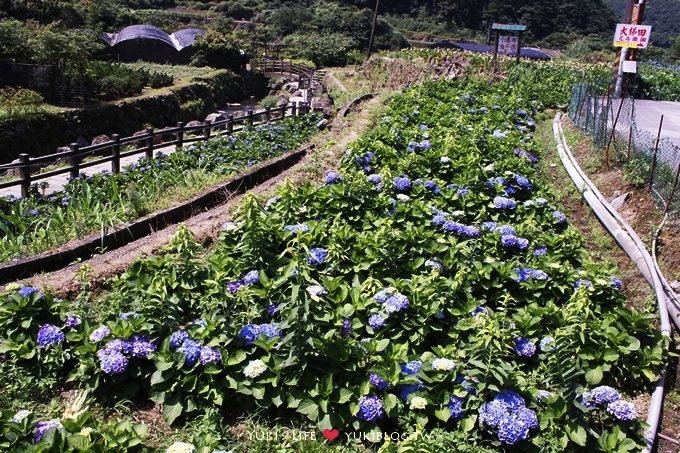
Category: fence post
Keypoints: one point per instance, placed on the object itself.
(206, 131)
(267, 114)
(249, 120)
(611, 137)
(148, 154)
(292, 109)
(25, 174)
(230, 124)
(180, 135)
(630, 138)
(656, 149)
(675, 186)
(115, 154)
(74, 160)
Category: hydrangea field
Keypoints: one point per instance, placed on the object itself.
(102, 201)
(427, 283)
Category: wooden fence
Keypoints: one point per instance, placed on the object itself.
(179, 135)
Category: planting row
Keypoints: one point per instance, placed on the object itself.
(102, 201)
(428, 282)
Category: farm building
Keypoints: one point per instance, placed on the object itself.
(525, 52)
(149, 43)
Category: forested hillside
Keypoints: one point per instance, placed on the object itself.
(662, 15)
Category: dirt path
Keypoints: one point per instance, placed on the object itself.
(331, 146)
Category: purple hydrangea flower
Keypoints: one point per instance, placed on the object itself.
(504, 203)
(492, 412)
(346, 329)
(178, 338)
(376, 321)
(425, 144)
(506, 230)
(301, 227)
(616, 283)
(512, 400)
(332, 177)
(524, 347)
(511, 430)
(233, 287)
(382, 295)
(489, 226)
(583, 282)
(604, 394)
(405, 390)
(272, 309)
(471, 231)
(127, 315)
(33, 212)
(370, 408)
(411, 367)
(49, 334)
(526, 155)
(541, 250)
(454, 227)
(396, 303)
(622, 410)
(561, 218)
(377, 381)
(251, 277)
(199, 322)
(99, 334)
(521, 243)
(508, 241)
(112, 361)
(210, 355)
(317, 256)
(43, 426)
(377, 180)
(191, 350)
(27, 291)
(456, 407)
(402, 183)
(72, 321)
(270, 330)
(434, 264)
(141, 346)
(523, 182)
(249, 333)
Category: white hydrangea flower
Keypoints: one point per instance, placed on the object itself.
(21, 415)
(418, 402)
(181, 447)
(254, 368)
(403, 197)
(443, 364)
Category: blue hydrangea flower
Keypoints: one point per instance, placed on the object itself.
(504, 203)
(586, 400)
(508, 241)
(72, 321)
(127, 315)
(402, 183)
(396, 303)
(481, 310)
(141, 346)
(49, 334)
(425, 144)
(405, 390)
(317, 256)
(270, 330)
(489, 226)
(510, 399)
(272, 309)
(524, 154)
(423, 127)
(233, 287)
(434, 264)
(498, 180)
(622, 410)
(249, 333)
(411, 367)
(507, 230)
(99, 334)
(199, 322)
(521, 243)
(376, 180)
(542, 396)
(539, 274)
(524, 347)
(527, 416)
(27, 291)
(112, 361)
(382, 295)
(523, 182)
(377, 381)
(561, 218)
(33, 212)
(301, 227)
(332, 177)
(471, 231)
(346, 329)
(210, 355)
(540, 201)
(583, 282)
(540, 250)
(454, 227)
(431, 185)
(438, 219)
(177, 338)
(492, 412)
(456, 407)
(43, 426)
(616, 283)
(251, 277)
(191, 350)
(370, 408)
(547, 344)
(376, 321)
(604, 394)
(444, 160)
(511, 430)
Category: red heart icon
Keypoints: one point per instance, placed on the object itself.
(331, 434)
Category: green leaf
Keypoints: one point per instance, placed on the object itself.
(309, 408)
(172, 411)
(468, 423)
(78, 442)
(443, 414)
(594, 376)
(577, 434)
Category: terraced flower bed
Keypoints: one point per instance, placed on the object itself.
(103, 201)
(427, 285)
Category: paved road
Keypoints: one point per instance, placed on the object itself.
(648, 114)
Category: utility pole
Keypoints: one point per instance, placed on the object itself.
(375, 19)
(623, 53)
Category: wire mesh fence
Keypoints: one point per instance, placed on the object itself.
(648, 159)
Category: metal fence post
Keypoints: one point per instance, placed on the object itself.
(115, 154)
(267, 114)
(656, 149)
(249, 120)
(25, 174)
(180, 134)
(675, 186)
(230, 124)
(74, 160)
(148, 154)
(292, 109)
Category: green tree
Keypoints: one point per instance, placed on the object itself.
(14, 42)
(674, 51)
(219, 50)
(330, 49)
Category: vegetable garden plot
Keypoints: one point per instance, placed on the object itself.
(427, 282)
